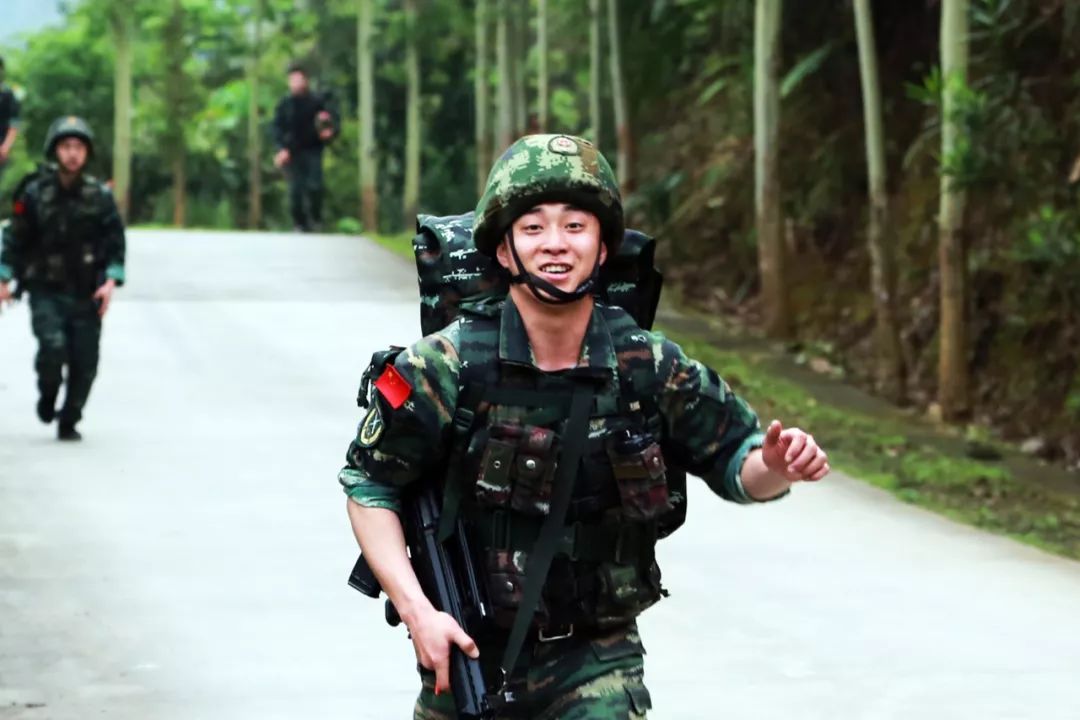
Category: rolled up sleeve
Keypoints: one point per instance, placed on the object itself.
(709, 430)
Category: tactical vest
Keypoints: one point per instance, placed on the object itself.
(64, 252)
(509, 438)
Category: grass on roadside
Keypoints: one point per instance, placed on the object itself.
(398, 243)
(880, 451)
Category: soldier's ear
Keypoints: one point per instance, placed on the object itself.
(603, 251)
(503, 255)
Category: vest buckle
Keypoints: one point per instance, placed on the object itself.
(559, 633)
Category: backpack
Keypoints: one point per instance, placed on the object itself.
(454, 276)
(453, 273)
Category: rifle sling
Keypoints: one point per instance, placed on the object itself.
(553, 529)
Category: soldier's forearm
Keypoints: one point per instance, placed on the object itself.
(759, 481)
(9, 139)
(382, 540)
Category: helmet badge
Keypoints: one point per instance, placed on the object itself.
(564, 145)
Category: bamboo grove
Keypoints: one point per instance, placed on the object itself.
(890, 185)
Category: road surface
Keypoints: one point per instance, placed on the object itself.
(188, 559)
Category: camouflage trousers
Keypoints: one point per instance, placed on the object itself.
(600, 677)
(68, 331)
(305, 175)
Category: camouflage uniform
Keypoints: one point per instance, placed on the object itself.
(650, 403)
(705, 426)
(62, 244)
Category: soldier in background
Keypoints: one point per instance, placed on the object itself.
(9, 120)
(304, 122)
(65, 245)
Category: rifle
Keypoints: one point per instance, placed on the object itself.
(447, 573)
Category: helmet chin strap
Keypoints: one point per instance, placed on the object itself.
(538, 285)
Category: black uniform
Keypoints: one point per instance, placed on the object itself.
(295, 130)
(9, 116)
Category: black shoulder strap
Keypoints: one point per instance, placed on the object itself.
(478, 371)
(536, 571)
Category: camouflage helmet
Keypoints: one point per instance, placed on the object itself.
(548, 168)
(65, 127)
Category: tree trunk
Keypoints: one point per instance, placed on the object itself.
(368, 170)
(594, 71)
(890, 358)
(767, 171)
(480, 89)
(506, 99)
(521, 63)
(623, 135)
(411, 194)
(176, 99)
(952, 363)
(179, 190)
(122, 30)
(254, 219)
(541, 67)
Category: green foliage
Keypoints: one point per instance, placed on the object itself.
(1051, 240)
(911, 459)
(688, 66)
(803, 69)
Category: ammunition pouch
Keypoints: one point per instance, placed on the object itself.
(518, 469)
(641, 475)
(609, 577)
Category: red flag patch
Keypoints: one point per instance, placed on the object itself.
(393, 387)
(19, 207)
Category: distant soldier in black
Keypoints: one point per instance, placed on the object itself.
(304, 122)
(9, 120)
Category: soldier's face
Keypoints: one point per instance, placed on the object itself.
(298, 83)
(71, 154)
(556, 242)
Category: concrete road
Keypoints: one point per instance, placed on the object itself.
(188, 559)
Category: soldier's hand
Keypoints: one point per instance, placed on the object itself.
(5, 294)
(793, 453)
(281, 159)
(4, 152)
(433, 634)
(103, 296)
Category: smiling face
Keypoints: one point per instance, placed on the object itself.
(557, 243)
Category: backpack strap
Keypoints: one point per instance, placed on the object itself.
(479, 370)
(539, 562)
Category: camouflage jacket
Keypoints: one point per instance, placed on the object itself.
(706, 428)
(69, 239)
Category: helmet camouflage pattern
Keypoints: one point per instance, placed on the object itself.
(548, 168)
(65, 127)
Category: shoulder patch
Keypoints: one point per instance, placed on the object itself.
(371, 427)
